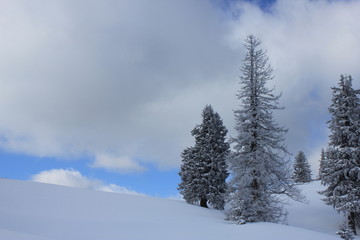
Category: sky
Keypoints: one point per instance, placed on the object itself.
(105, 96)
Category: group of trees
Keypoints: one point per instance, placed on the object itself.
(259, 173)
(257, 167)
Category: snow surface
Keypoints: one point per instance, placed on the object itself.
(38, 211)
(314, 215)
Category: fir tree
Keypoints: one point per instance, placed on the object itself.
(302, 171)
(322, 167)
(204, 169)
(188, 175)
(345, 232)
(342, 174)
(258, 170)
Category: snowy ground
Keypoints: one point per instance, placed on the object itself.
(37, 211)
(314, 215)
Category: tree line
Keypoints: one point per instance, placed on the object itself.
(251, 177)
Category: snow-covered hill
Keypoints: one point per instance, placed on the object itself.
(37, 211)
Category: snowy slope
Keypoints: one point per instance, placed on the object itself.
(30, 210)
(314, 215)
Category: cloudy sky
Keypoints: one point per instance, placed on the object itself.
(104, 94)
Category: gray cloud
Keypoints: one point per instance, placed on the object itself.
(96, 78)
(124, 82)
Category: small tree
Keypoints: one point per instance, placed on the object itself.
(302, 171)
(204, 169)
(188, 175)
(342, 172)
(258, 170)
(322, 167)
(345, 232)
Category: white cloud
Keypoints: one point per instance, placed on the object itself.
(115, 163)
(73, 178)
(125, 82)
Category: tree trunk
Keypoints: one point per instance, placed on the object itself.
(351, 222)
(203, 203)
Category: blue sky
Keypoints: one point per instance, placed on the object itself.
(106, 96)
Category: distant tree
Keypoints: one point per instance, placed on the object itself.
(322, 167)
(342, 175)
(302, 171)
(204, 170)
(259, 173)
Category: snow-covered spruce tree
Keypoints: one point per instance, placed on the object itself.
(258, 171)
(322, 167)
(342, 174)
(345, 232)
(188, 175)
(204, 169)
(302, 171)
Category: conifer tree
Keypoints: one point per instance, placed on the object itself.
(204, 169)
(258, 169)
(188, 175)
(302, 171)
(342, 174)
(322, 167)
(345, 232)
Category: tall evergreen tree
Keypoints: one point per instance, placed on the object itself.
(342, 177)
(302, 171)
(258, 170)
(204, 169)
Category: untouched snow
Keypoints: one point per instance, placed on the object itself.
(314, 215)
(38, 211)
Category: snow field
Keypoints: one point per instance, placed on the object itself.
(38, 211)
